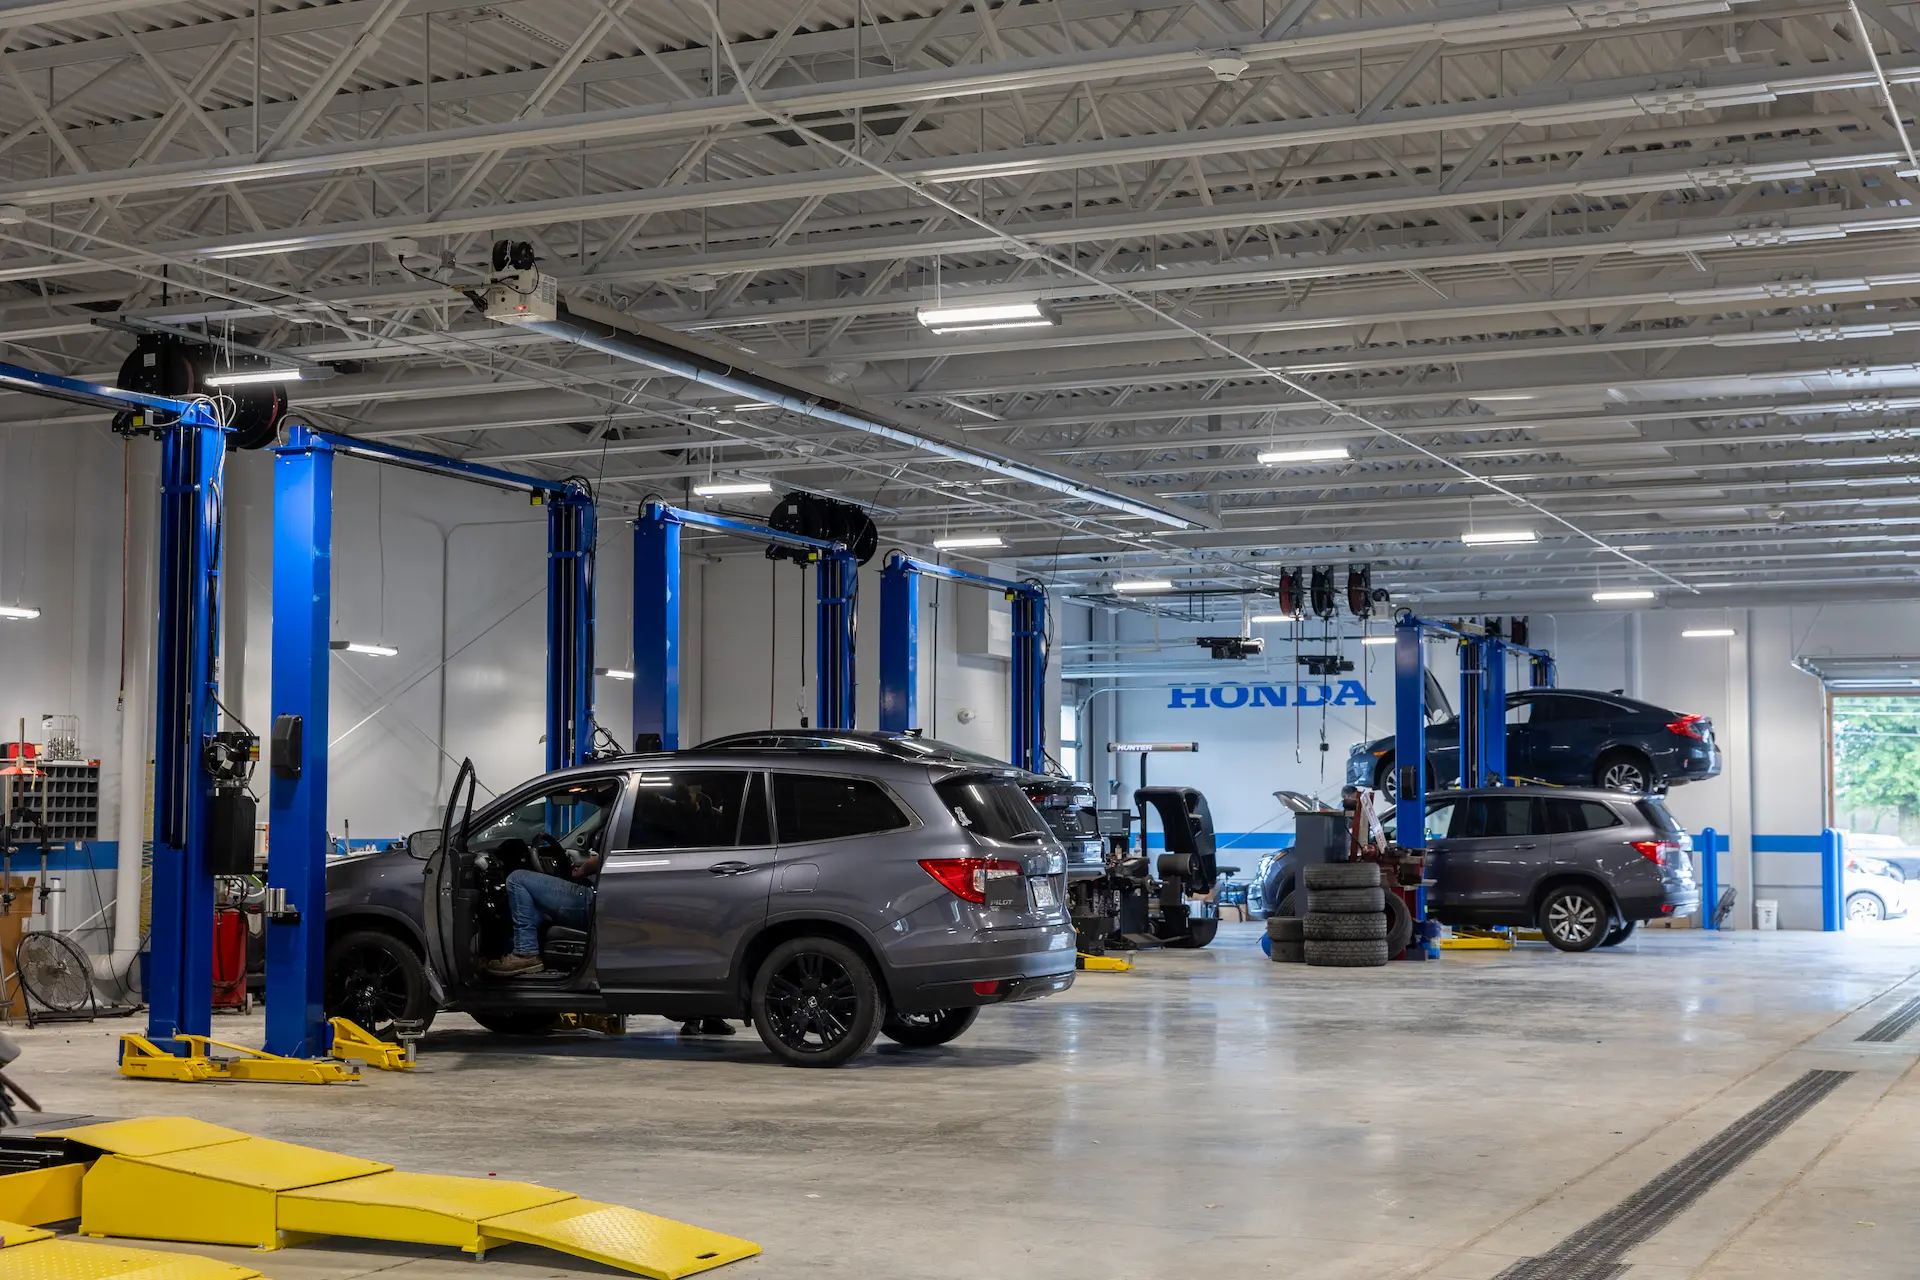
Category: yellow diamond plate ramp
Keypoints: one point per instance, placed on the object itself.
(620, 1237)
(421, 1208)
(28, 1253)
(149, 1136)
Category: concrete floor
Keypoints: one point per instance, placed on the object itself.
(1210, 1113)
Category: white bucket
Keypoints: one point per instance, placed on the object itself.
(1766, 914)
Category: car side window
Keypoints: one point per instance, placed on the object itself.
(1568, 817)
(1495, 816)
(687, 809)
(1439, 819)
(814, 806)
(1583, 709)
(1521, 711)
(575, 814)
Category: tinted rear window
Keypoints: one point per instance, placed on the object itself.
(996, 808)
(812, 806)
(1068, 811)
(1566, 817)
(1654, 810)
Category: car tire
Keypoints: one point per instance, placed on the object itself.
(1399, 924)
(848, 1005)
(1864, 908)
(1619, 933)
(1384, 780)
(1624, 771)
(530, 1022)
(1330, 954)
(1346, 901)
(1342, 875)
(1287, 952)
(376, 978)
(1286, 928)
(1320, 927)
(1573, 917)
(925, 1030)
(1289, 906)
(1199, 933)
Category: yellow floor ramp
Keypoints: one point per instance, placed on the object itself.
(28, 1253)
(171, 1178)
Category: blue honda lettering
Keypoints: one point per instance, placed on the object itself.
(1352, 693)
(1187, 698)
(1265, 695)
(1301, 699)
(1239, 701)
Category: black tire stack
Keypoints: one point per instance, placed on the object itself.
(1346, 921)
(1285, 942)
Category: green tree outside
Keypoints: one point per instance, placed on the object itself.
(1876, 765)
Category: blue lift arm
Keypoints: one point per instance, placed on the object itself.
(302, 608)
(656, 617)
(193, 458)
(900, 652)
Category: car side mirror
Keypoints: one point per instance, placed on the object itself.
(424, 844)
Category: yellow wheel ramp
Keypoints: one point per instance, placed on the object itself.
(172, 1178)
(38, 1196)
(28, 1253)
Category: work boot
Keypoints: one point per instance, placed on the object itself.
(706, 1027)
(510, 966)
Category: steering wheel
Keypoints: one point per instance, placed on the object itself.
(552, 856)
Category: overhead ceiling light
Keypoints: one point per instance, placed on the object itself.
(969, 540)
(247, 377)
(1500, 399)
(1496, 537)
(613, 673)
(371, 650)
(991, 315)
(1260, 619)
(1637, 593)
(1143, 584)
(19, 612)
(1323, 453)
(1708, 633)
(1376, 639)
(731, 488)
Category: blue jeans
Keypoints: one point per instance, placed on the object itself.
(533, 896)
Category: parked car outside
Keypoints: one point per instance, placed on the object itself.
(827, 896)
(1875, 890)
(1567, 738)
(1584, 866)
(1890, 849)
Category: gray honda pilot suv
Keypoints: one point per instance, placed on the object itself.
(828, 898)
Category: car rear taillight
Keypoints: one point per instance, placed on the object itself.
(1687, 727)
(967, 877)
(1657, 851)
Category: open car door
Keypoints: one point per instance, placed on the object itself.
(447, 904)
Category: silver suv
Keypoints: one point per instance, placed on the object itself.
(829, 898)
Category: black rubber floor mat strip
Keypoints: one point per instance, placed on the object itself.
(1895, 1024)
(1594, 1251)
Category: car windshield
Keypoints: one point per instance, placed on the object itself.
(992, 808)
(1068, 810)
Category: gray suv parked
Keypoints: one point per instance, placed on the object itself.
(1583, 866)
(827, 897)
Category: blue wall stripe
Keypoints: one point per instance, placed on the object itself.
(1786, 844)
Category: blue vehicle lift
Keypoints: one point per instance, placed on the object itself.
(302, 598)
(656, 618)
(193, 458)
(900, 652)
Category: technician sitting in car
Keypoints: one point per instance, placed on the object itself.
(534, 897)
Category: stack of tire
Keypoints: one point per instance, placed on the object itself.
(1286, 944)
(1346, 921)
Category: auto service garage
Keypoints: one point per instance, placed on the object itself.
(1283, 631)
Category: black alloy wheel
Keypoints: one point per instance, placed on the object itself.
(932, 1027)
(815, 1003)
(376, 979)
(1625, 773)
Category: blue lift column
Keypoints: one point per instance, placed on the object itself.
(656, 627)
(1493, 715)
(1473, 705)
(571, 534)
(1029, 677)
(1409, 733)
(899, 646)
(180, 970)
(836, 598)
(297, 799)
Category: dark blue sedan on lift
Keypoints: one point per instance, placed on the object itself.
(1566, 737)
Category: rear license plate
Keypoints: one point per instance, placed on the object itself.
(1043, 897)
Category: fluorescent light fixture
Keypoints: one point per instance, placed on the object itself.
(730, 488)
(371, 650)
(1499, 399)
(613, 673)
(969, 540)
(1497, 537)
(990, 315)
(247, 377)
(1376, 639)
(19, 612)
(1323, 453)
(1636, 593)
(1260, 619)
(1708, 633)
(1143, 584)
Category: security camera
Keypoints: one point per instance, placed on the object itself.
(1227, 67)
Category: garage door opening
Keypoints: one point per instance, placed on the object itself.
(1874, 799)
